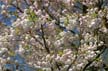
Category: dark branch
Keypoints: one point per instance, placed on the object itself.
(45, 44)
(18, 8)
(98, 55)
(57, 20)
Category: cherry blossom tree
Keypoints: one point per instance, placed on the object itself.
(53, 35)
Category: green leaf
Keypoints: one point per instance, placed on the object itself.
(11, 53)
(66, 21)
(32, 16)
(94, 15)
(60, 53)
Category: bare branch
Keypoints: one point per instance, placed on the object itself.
(44, 40)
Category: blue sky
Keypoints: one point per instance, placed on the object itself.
(7, 20)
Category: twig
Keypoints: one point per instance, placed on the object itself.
(57, 65)
(72, 63)
(18, 8)
(57, 20)
(35, 38)
(43, 37)
(98, 55)
(27, 3)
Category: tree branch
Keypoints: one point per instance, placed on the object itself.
(43, 37)
(98, 55)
